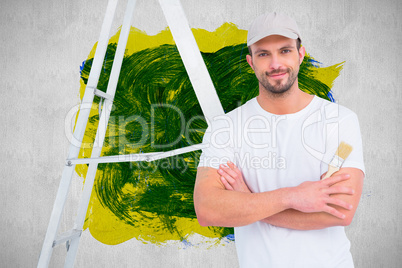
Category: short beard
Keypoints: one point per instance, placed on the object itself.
(278, 90)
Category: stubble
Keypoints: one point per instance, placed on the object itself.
(277, 88)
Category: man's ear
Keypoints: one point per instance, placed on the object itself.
(302, 53)
(250, 61)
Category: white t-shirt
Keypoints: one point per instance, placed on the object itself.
(276, 151)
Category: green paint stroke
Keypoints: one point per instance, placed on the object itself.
(155, 109)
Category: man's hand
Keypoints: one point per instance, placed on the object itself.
(232, 178)
(308, 197)
(315, 196)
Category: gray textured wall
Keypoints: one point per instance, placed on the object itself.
(43, 43)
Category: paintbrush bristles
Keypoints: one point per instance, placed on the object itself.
(344, 150)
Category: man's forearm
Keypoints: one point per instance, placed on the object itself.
(294, 219)
(216, 206)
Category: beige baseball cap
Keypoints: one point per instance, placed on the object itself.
(272, 24)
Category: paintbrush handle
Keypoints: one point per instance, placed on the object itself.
(331, 170)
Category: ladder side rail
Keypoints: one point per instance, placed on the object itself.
(192, 59)
(101, 132)
(68, 171)
(97, 65)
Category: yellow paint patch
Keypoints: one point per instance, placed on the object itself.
(102, 223)
(327, 75)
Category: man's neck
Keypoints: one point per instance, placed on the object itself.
(289, 102)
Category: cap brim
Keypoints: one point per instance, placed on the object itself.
(281, 32)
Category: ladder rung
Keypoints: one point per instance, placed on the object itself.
(135, 157)
(102, 94)
(67, 236)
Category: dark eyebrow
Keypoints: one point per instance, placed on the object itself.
(287, 47)
(262, 50)
(282, 48)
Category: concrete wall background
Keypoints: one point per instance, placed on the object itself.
(42, 45)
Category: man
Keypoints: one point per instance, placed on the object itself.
(277, 146)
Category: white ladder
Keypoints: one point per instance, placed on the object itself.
(200, 81)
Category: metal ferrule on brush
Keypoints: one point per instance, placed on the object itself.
(336, 161)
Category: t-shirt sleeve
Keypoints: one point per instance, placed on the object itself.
(346, 130)
(218, 145)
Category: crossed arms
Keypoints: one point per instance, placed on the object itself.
(223, 199)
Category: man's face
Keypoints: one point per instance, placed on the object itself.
(276, 61)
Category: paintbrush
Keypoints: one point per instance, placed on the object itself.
(341, 154)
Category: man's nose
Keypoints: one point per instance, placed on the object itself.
(275, 62)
